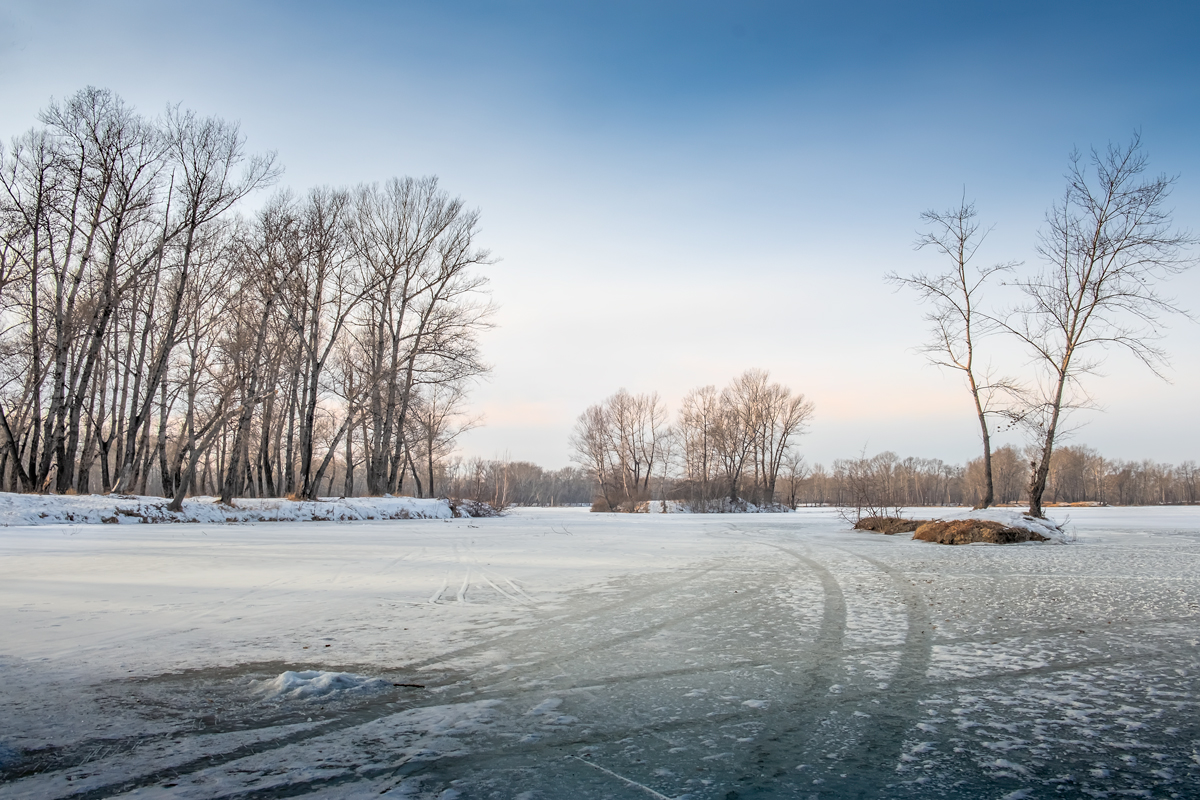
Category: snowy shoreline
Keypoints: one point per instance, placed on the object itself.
(95, 509)
(32, 509)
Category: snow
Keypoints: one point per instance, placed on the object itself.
(24, 509)
(721, 505)
(556, 652)
(1010, 518)
(313, 684)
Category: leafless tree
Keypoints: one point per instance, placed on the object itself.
(319, 298)
(698, 424)
(519, 483)
(727, 444)
(780, 417)
(1009, 475)
(870, 486)
(212, 173)
(590, 445)
(438, 418)
(87, 191)
(759, 421)
(621, 441)
(1106, 247)
(954, 298)
(795, 470)
(421, 319)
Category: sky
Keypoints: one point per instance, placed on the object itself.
(677, 192)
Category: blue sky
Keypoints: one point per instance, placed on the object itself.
(680, 191)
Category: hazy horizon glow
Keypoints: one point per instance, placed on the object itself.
(679, 192)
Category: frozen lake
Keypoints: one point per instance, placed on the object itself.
(556, 653)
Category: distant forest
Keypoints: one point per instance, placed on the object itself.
(1078, 474)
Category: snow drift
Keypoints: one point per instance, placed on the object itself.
(722, 505)
(27, 509)
(311, 684)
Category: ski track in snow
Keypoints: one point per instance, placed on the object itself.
(672, 656)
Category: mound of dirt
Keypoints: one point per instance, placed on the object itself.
(969, 531)
(888, 525)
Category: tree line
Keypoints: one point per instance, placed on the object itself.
(726, 446)
(155, 339)
(1078, 474)
(501, 483)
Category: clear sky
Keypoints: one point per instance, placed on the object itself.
(679, 191)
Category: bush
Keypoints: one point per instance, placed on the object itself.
(888, 525)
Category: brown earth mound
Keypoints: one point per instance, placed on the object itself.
(969, 531)
(888, 525)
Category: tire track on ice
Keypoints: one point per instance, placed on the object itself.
(517, 637)
(789, 729)
(872, 757)
(384, 707)
(607, 643)
(878, 751)
(833, 622)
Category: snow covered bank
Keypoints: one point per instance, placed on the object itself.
(29, 509)
(721, 506)
(1010, 518)
(995, 526)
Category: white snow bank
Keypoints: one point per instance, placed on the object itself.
(313, 683)
(721, 506)
(1012, 519)
(31, 509)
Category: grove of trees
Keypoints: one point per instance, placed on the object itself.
(502, 483)
(156, 338)
(726, 446)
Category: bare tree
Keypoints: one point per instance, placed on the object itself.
(869, 486)
(269, 250)
(780, 417)
(208, 155)
(438, 418)
(422, 317)
(592, 451)
(621, 441)
(319, 298)
(1106, 247)
(795, 471)
(735, 433)
(698, 422)
(956, 322)
(726, 443)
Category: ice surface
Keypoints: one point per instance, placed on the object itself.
(558, 653)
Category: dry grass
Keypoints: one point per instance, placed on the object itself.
(970, 531)
(888, 525)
